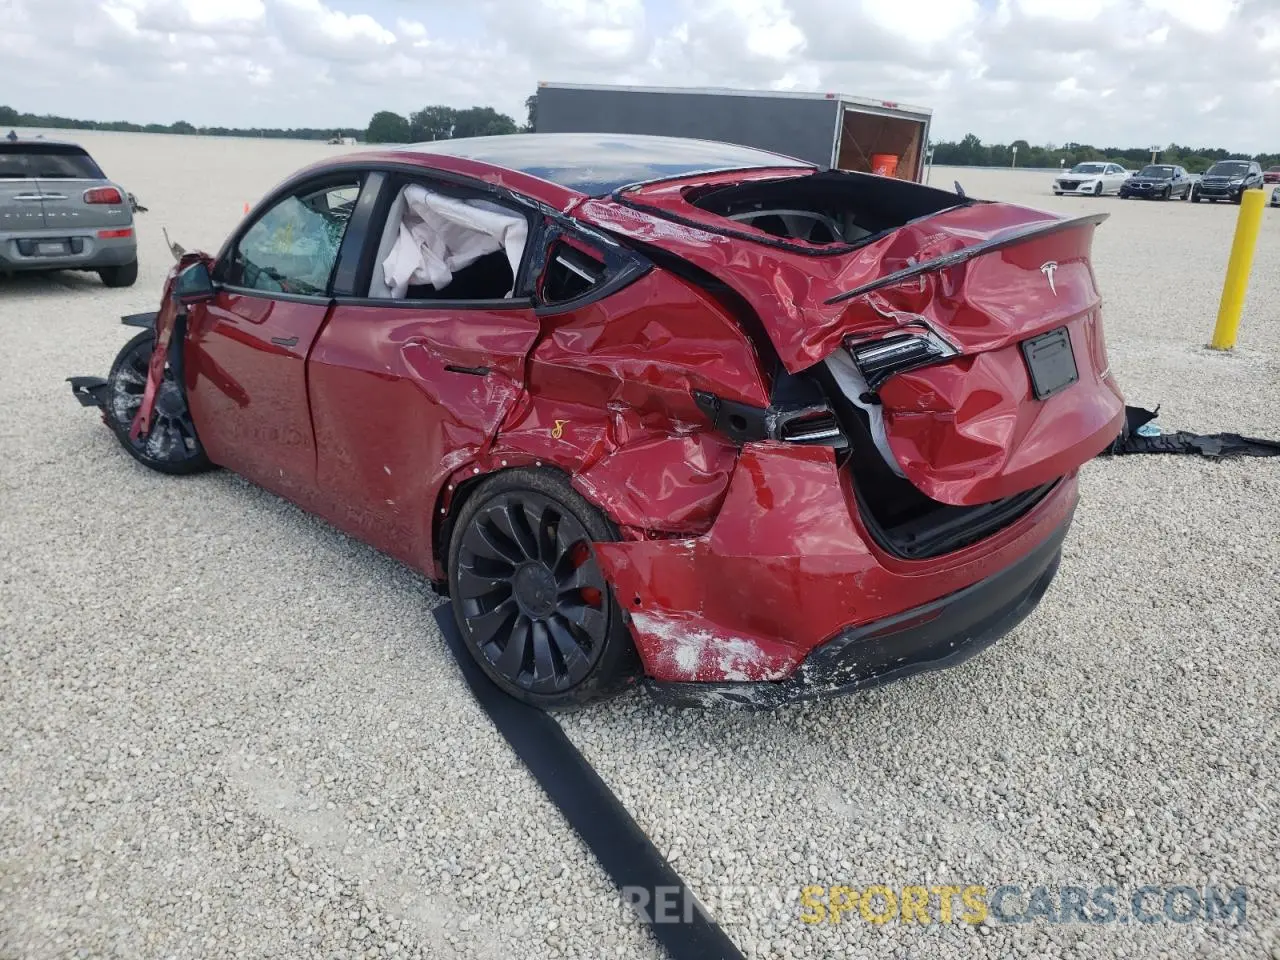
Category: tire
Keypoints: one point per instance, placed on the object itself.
(172, 445)
(1195, 195)
(1097, 190)
(125, 275)
(522, 570)
(1168, 194)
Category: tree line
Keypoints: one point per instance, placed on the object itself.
(9, 118)
(972, 152)
(445, 123)
(439, 122)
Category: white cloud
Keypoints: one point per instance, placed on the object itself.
(1208, 15)
(1111, 72)
(923, 21)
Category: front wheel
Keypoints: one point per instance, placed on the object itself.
(1097, 190)
(529, 597)
(171, 446)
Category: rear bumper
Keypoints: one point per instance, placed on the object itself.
(18, 251)
(936, 635)
(787, 566)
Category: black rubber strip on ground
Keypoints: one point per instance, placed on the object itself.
(640, 872)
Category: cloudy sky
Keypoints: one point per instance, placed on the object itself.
(1109, 72)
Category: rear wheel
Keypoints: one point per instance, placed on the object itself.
(530, 599)
(171, 446)
(124, 275)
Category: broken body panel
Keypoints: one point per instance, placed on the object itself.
(738, 557)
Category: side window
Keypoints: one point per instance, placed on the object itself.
(438, 246)
(572, 271)
(293, 247)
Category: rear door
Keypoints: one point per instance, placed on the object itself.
(247, 348)
(407, 390)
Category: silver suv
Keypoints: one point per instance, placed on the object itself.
(58, 211)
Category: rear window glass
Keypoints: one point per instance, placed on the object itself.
(17, 162)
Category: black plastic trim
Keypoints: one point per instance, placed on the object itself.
(90, 391)
(145, 320)
(318, 299)
(356, 237)
(511, 303)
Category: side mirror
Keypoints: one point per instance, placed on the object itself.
(193, 285)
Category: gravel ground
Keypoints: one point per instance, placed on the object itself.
(236, 732)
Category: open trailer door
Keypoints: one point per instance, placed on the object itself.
(882, 138)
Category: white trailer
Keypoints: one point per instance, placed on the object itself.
(832, 130)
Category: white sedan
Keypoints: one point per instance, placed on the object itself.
(1093, 179)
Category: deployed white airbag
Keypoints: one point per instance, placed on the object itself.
(439, 235)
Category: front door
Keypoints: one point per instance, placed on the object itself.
(247, 349)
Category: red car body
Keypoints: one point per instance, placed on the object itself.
(753, 559)
(1271, 175)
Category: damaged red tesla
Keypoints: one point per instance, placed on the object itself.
(649, 408)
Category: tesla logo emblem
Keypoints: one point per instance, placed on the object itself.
(558, 430)
(1049, 269)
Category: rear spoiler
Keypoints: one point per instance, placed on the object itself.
(1009, 238)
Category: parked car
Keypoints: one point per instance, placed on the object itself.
(1271, 175)
(1227, 180)
(1091, 178)
(649, 407)
(1160, 181)
(58, 211)
(1275, 197)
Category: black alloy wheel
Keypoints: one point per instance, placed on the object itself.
(171, 446)
(532, 602)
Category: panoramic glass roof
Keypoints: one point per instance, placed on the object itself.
(598, 163)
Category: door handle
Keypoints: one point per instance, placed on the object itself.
(474, 371)
(285, 342)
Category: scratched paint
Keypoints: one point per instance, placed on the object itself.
(692, 651)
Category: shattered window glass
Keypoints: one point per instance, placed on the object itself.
(294, 246)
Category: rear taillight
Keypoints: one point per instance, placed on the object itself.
(103, 195)
(115, 234)
(878, 360)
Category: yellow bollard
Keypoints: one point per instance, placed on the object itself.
(1248, 223)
